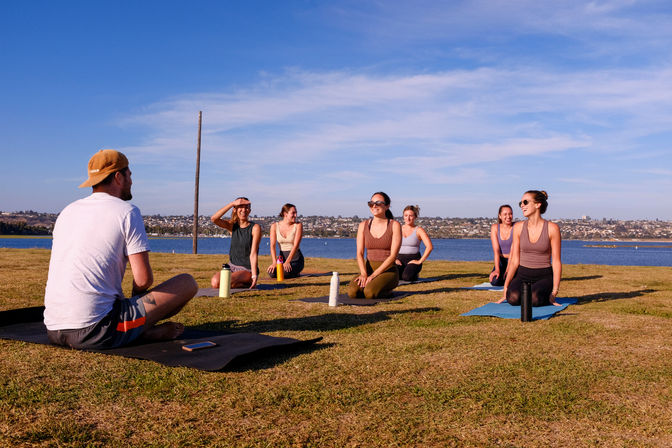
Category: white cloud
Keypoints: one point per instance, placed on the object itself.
(335, 135)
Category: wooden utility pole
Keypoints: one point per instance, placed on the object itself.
(198, 173)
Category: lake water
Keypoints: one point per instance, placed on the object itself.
(573, 252)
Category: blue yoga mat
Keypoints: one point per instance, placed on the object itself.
(486, 286)
(506, 311)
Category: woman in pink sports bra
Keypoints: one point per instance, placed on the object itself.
(501, 236)
(535, 254)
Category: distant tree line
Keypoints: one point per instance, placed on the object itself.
(21, 228)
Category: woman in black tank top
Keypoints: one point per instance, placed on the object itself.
(245, 238)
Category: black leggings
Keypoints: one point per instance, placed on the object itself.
(542, 285)
(296, 264)
(409, 272)
(499, 281)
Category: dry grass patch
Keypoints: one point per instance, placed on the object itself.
(411, 372)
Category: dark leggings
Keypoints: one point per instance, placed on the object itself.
(409, 271)
(499, 281)
(296, 264)
(542, 285)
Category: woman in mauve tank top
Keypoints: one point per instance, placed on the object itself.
(380, 236)
(535, 254)
(501, 236)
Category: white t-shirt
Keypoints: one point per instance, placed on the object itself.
(93, 238)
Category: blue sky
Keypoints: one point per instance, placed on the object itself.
(457, 106)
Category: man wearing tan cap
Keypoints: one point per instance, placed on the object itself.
(93, 240)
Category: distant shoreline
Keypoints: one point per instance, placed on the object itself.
(152, 237)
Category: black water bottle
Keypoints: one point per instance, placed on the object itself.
(526, 302)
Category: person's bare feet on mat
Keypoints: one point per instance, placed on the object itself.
(164, 331)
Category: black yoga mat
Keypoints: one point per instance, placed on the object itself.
(420, 280)
(26, 325)
(343, 299)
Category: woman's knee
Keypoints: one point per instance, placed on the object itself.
(513, 297)
(540, 298)
(353, 289)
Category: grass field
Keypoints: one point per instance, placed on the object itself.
(407, 373)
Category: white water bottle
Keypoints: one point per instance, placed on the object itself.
(225, 282)
(333, 290)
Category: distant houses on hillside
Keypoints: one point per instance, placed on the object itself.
(35, 223)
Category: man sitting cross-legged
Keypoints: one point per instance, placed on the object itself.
(93, 239)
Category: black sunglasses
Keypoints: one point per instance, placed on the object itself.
(525, 202)
(378, 203)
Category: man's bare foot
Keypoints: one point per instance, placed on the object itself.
(163, 332)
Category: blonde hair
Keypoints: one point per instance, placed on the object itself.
(414, 208)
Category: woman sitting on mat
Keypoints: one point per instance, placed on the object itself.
(245, 238)
(380, 236)
(535, 254)
(288, 234)
(501, 236)
(409, 261)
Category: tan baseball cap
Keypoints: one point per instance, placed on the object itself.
(103, 163)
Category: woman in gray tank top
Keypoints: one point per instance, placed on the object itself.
(535, 254)
(245, 238)
(409, 261)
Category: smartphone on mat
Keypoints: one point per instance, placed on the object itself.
(198, 346)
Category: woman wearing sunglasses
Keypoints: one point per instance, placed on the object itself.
(535, 254)
(245, 238)
(501, 236)
(409, 261)
(380, 236)
(287, 233)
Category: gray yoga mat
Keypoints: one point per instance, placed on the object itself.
(26, 325)
(214, 292)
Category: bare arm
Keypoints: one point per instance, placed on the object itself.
(495, 250)
(556, 259)
(514, 258)
(394, 251)
(142, 272)
(428, 245)
(254, 253)
(298, 235)
(217, 217)
(361, 280)
(274, 240)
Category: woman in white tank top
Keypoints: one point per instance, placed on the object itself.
(287, 233)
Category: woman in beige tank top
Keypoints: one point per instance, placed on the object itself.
(535, 254)
(287, 233)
